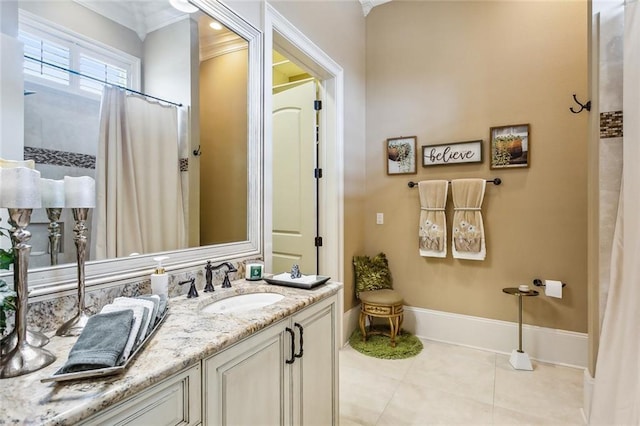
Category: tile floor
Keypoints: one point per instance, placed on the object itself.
(449, 384)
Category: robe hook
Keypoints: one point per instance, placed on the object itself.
(197, 152)
(586, 106)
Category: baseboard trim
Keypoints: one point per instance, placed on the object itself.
(349, 323)
(549, 345)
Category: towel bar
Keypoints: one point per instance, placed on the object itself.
(495, 181)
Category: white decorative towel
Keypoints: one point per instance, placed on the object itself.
(433, 223)
(468, 240)
(148, 306)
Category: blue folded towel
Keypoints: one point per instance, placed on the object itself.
(162, 306)
(138, 317)
(101, 342)
(156, 305)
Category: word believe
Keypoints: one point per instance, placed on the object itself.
(453, 153)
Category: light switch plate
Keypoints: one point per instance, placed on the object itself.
(379, 218)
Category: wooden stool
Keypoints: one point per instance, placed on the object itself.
(381, 304)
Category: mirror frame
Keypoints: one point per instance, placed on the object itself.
(105, 273)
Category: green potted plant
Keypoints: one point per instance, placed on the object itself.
(7, 295)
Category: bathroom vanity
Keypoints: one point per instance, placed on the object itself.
(274, 365)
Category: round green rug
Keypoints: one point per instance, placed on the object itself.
(377, 346)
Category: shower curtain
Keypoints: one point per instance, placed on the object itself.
(139, 205)
(616, 392)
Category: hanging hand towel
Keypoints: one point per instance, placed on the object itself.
(433, 223)
(468, 229)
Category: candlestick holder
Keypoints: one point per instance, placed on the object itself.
(34, 338)
(23, 358)
(53, 214)
(75, 325)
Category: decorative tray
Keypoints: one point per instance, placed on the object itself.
(108, 371)
(306, 282)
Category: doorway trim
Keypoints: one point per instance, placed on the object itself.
(281, 34)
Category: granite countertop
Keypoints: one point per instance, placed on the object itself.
(186, 337)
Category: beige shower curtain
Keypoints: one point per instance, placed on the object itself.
(139, 193)
(616, 392)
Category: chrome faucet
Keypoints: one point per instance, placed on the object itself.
(230, 268)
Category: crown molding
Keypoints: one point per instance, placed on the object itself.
(140, 17)
(367, 5)
(210, 47)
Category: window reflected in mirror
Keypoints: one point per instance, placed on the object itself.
(174, 173)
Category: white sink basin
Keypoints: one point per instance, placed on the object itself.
(242, 303)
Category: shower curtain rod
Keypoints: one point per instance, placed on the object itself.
(98, 80)
(496, 181)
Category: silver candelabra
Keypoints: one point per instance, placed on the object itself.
(24, 357)
(75, 325)
(53, 214)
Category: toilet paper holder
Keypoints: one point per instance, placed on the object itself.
(539, 283)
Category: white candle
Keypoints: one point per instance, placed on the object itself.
(20, 188)
(79, 191)
(52, 192)
(12, 164)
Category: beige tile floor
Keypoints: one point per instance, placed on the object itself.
(449, 384)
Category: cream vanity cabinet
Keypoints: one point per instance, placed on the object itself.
(174, 401)
(284, 375)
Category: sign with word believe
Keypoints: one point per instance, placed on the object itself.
(452, 153)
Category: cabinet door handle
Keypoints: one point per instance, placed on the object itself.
(293, 345)
(299, 354)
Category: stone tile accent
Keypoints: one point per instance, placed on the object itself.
(59, 158)
(611, 124)
(184, 164)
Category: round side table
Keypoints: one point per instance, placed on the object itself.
(519, 359)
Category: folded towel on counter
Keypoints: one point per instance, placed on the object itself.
(147, 324)
(156, 307)
(432, 232)
(468, 240)
(101, 342)
(138, 316)
(162, 307)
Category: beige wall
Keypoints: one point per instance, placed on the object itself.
(223, 139)
(447, 72)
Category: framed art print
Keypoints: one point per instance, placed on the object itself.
(510, 146)
(401, 155)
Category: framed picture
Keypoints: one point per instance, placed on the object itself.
(510, 146)
(401, 155)
(452, 153)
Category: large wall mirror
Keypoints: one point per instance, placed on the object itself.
(207, 63)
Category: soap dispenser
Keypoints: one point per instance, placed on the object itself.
(159, 279)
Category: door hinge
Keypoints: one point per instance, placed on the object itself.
(317, 105)
(317, 173)
(318, 241)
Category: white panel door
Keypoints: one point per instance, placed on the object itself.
(294, 191)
